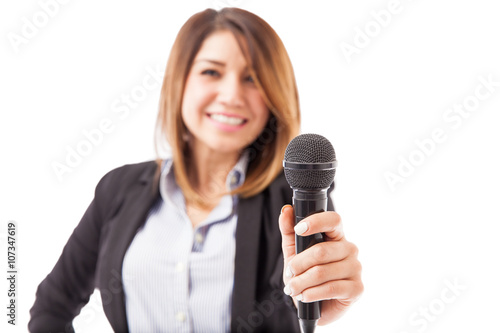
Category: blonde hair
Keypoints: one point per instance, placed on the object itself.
(273, 74)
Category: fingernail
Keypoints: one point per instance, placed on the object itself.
(287, 290)
(288, 272)
(299, 297)
(301, 228)
(283, 208)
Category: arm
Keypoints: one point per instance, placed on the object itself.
(62, 294)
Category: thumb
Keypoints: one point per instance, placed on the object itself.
(286, 224)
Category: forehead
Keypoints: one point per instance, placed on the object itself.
(220, 45)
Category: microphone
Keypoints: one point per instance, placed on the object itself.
(309, 165)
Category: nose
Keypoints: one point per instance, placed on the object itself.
(230, 92)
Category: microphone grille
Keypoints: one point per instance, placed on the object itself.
(309, 148)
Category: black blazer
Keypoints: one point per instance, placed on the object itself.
(93, 257)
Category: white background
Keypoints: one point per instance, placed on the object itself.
(437, 227)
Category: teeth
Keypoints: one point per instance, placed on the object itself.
(227, 120)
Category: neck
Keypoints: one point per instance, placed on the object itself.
(208, 171)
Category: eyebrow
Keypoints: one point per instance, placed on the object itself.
(215, 62)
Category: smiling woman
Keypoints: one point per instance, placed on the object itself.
(215, 50)
(197, 242)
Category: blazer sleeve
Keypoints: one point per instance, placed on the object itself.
(67, 288)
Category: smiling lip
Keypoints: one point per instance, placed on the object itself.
(227, 122)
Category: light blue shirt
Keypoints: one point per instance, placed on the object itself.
(177, 279)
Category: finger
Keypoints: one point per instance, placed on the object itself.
(328, 223)
(332, 310)
(286, 223)
(318, 275)
(346, 291)
(320, 254)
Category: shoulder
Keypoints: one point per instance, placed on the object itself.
(128, 174)
(117, 183)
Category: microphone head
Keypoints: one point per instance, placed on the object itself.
(310, 162)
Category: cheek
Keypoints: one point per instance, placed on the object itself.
(189, 98)
(194, 99)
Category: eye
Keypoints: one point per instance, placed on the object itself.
(250, 79)
(210, 72)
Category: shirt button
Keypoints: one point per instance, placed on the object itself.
(234, 179)
(179, 267)
(180, 316)
(198, 238)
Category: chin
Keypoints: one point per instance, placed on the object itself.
(227, 150)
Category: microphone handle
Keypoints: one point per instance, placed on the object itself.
(305, 203)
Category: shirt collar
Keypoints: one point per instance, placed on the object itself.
(236, 177)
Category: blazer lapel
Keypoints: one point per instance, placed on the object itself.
(135, 207)
(246, 259)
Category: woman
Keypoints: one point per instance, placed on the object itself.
(192, 242)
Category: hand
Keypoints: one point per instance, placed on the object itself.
(327, 271)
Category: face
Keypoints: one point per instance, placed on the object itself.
(221, 106)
